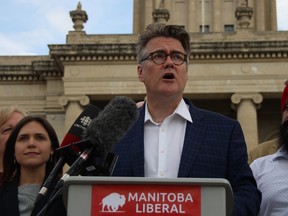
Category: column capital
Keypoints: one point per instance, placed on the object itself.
(236, 98)
(246, 105)
(83, 100)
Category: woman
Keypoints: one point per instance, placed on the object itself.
(9, 117)
(28, 159)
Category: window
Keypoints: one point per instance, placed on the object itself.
(204, 29)
(228, 28)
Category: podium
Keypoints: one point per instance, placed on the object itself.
(141, 196)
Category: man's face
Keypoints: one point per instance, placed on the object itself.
(165, 79)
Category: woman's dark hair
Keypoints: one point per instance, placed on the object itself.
(11, 169)
(162, 30)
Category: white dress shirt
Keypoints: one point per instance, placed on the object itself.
(271, 175)
(163, 142)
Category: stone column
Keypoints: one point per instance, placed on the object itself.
(74, 106)
(246, 105)
(217, 18)
(273, 15)
(260, 15)
(193, 25)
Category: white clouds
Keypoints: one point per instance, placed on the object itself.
(27, 29)
(28, 26)
(10, 46)
(59, 21)
(108, 17)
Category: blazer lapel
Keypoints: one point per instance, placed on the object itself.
(193, 138)
(137, 144)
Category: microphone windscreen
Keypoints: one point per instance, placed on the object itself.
(113, 122)
(105, 130)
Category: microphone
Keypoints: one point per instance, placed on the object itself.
(69, 147)
(103, 132)
(99, 137)
(73, 136)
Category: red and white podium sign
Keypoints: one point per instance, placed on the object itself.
(146, 199)
(106, 196)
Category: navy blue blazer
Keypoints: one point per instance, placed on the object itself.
(214, 147)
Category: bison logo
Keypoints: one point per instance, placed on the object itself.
(112, 202)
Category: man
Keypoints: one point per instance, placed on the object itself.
(271, 173)
(172, 138)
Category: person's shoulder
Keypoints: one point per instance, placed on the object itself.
(260, 165)
(264, 158)
(263, 162)
(266, 148)
(208, 114)
(10, 185)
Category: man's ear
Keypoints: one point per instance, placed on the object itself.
(140, 73)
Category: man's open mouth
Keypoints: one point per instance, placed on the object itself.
(169, 76)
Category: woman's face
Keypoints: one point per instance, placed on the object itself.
(6, 128)
(33, 146)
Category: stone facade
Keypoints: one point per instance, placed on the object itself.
(237, 71)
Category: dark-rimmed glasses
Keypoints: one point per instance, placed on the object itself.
(160, 57)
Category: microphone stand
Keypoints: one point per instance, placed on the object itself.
(74, 170)
(55, 195)
(50, 179)
(64, 156)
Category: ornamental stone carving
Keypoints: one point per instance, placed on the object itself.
(79, 17)
(83, 100)
(238, 97)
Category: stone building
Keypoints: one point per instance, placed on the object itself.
(238, 65)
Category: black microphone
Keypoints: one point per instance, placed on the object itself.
(73, 136)
(99, 137)
(103, 132)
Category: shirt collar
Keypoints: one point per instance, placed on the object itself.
(281, 153)
(182, 110)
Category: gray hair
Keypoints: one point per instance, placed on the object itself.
(162, 30)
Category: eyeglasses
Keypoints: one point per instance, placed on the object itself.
(160, 57)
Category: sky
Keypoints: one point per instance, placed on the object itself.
(28, 26)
